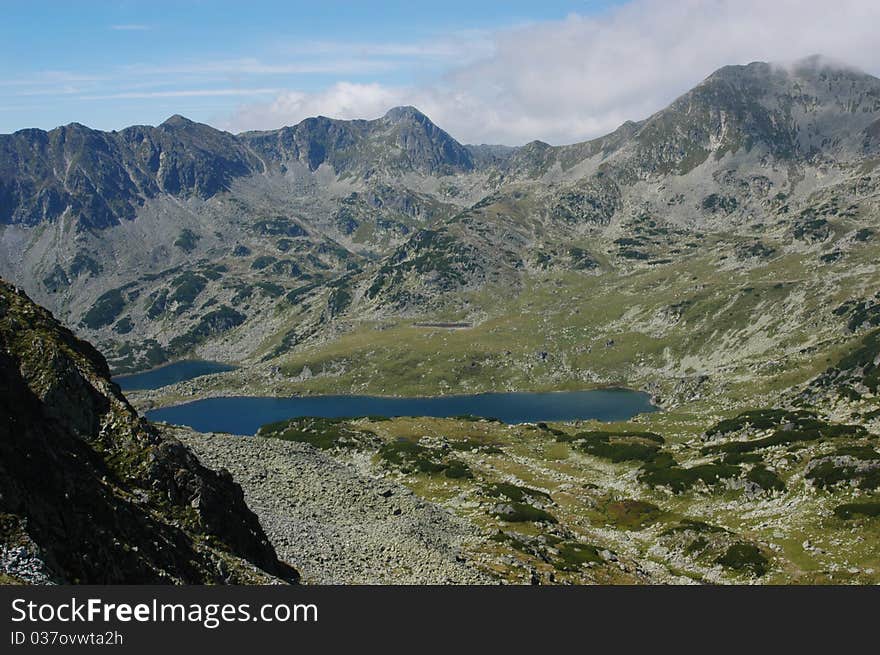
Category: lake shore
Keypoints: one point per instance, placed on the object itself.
(245, 414)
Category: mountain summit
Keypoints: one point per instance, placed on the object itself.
(403, 140)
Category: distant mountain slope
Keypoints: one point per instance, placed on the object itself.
(100, 178)
(791, 112)
(750, 143)
(91, 493)
(159, 243)
(404, 139)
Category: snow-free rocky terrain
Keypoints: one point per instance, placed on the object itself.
(721, 254)
(90, 493)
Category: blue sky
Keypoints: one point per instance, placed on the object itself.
(503, 72)
(112, 64)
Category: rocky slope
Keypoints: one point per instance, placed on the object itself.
(403, 140)
(90, 492)
(340, 525)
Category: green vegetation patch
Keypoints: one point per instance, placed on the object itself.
(572, 555)
(106, 309)
(214, 322)
(270, 289)
(791, 427)
(617, 447)
(744, 558)
(429, 254)
(296, 296)
(632, 514)
(862, 361)
(187, 288)
(534, 545)
(765, 478)
(664, 471)
(864, 453)
(324, 433)
(133, 357)
(82, 263)
(565, 554)
(811, 229)
(263, 261)
(581, 260)
(852, 510)
(514, 512)
(157, 302)
(759, 419)
(756, 250)
(717, 203)
(123, 326)
(742, 458)
(412, 457)
(187, 240)
(287, 267)
(339, 300)
(56, 280)
(844, 469)
(860, 313)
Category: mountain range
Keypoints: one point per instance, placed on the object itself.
(720, 254)
(160, 242)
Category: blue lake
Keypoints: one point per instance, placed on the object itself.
(244, 415)
(170, 374)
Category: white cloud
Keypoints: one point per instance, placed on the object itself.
(580, 77)
(342, 100)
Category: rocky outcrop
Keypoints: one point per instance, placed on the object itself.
(90, 492)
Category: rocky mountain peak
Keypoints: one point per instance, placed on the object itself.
(177, 121)
(792, 112)
(405, 113)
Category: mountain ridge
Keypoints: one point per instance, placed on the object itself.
(108, 175)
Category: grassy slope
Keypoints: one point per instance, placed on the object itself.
(602, 504)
